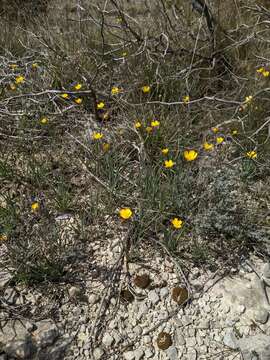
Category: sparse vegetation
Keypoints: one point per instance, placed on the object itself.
(109, 106)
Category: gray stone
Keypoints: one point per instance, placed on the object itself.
(139, 353)
(259, 344)
(240, 309)
(172, 353)
(113, 324)
(148, 353)
(261, 316)
(191, 332)
(14, 330)
(195, 273)
(137, 330)
(98, 353)
(147, 339)
(129, 355)
(46, 333)
(203, 349)
(180, 340)
(186, 320)
(107, 340)
(162, 315)
(266, 270)
(164, 292)
(191, 342)
(56, 351)
(230, 340)
(199, 340)
(22, 349)
(192, 354)
(75, 292)
(153, 297)
(203, 324)
(143, 310)
(93, 299)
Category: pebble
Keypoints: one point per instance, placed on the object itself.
(162, 315)
(148, 353)
(190, 342)
(138, 354)
(164, 292)
(180, 338)
(147, 339)
(186, 320)
(153, 297)
(266, 270)
(98, 353)
(129, 355)
(240, 309)
(261, 316)
(192, 354)
(107, 340)
(191, 332)
(230, 340)
(172, 353)
(74, 292)
(203, 324)
(143, 310)
(93, 299)
(137, 330)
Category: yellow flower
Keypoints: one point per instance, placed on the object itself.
(208, 146)
(190, 155)
(186, 99)
(146, 89)
(12, 86)
(125, 213)
(260, 70)
(165, 151)
(100, 105)
(106, 146)
(169, 163)
(215, 130)
(266, 73)
(44, 121)
(248, 99)
(124, 53)
(3, 237)
(137, 125)
(148, 129)
(97, 136)
(234, 132)
(252, 154)
(115, 90)
(13, 66)
(34, 65)
(65, 96)
(219, 140)
(19, 79)
(35, 206)
(155, 123)
(78, 101)
(177, 223)
(77, 86)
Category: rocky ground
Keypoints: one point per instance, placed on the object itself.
(155, 312)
